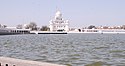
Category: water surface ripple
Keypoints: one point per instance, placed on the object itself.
(71, 49)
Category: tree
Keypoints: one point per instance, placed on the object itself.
(19, 26)
(44, 28)
(32, 26)
(4, 26)
(91, 27)
(123, 26)
(0, 25)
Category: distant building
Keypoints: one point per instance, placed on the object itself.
(58, 24)
(14, 30)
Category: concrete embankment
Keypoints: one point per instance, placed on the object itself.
(46, 32)
(4, 61)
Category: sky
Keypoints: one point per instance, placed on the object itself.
(80, 13)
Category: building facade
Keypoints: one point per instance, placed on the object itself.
(58, 23)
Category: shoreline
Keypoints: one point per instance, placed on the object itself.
(66, 33)
(6, 31)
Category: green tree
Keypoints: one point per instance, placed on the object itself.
(32, 26)
(91, 27)
(123, 26)
(0, 25)
(44, 28)
(19, 26)
(3, 26)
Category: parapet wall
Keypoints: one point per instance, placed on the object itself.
(4, 61)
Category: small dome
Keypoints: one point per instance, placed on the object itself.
(58, 13)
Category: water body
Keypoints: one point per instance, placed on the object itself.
(69, 49)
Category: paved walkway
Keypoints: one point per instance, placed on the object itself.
(18, 62)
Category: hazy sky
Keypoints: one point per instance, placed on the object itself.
(80, 13)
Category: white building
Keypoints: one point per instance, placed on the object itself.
(58, 24)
